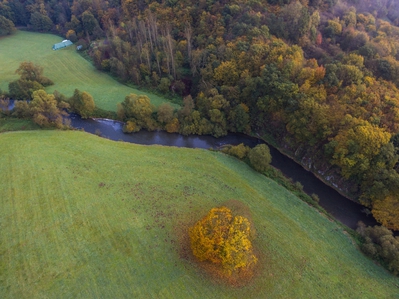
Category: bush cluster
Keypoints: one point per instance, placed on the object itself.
(239, 151)
(381, 245)
(259, 157)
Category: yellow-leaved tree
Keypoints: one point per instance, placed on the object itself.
(386, 212)
(223, 239)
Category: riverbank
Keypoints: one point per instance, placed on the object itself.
(338, 198)
(337, 205)
(341, 208)
(8, 124)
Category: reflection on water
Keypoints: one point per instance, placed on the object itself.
(112, 129)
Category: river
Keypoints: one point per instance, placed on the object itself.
(340, 207)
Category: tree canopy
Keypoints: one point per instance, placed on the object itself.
(6, 26)
(45, 110)
(223, 239)
(260, 157)
(82, 103)
(31, 79)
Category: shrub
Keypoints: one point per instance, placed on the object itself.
(6, 26)
(138, 109)
(298, 186)
(22, 109)
(239, 151)
(315, 197)
(82, 103)
(380, 244)
(173, 126)
(130, 126)
(260, 157)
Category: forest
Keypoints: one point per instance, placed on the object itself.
(318, 79)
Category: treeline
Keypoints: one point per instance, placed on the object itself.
(318, 77)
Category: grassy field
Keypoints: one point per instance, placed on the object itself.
(85, 217)
(16, 124)
(65, 67)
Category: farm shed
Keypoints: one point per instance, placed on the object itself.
(65, 43)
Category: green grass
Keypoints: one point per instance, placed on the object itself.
(65, 67)
(85, 217)
(16, 124)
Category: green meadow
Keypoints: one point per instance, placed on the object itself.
(16, 124)
(65, 67)
(86, 217)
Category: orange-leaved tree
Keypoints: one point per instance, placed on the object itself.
(223, 239)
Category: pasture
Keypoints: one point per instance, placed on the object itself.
(16, 124)
(65, 67)
(86, 217)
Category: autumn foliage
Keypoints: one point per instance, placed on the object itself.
(387, 212)
(223, 239)
(318, 78)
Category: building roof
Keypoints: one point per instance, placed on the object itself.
(63, 44)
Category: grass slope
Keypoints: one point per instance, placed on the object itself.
(85, 217)
(16, 124)
(65, 67)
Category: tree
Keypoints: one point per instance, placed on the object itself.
(89, 22)
(40, 22)
(260, 157)
(18, 14)
(71, 35)
(239, 119)
(6, 11)
(31, 79)
(165, 113)
(173, 126)
(32, 72)
(356, 146)
(349, 74)
(381, 245)
(386, 212)
(90, 25)
(137, 109)
(82, 103)
(188, 106)
(22, 89)
(164, 85)
(22, 110)
(4, 104)
(6, 26)
(334, 28)
(223, 239)
(240, 151)
(45, 110)
(226, 73)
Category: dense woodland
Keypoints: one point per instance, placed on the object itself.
(318, 78)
